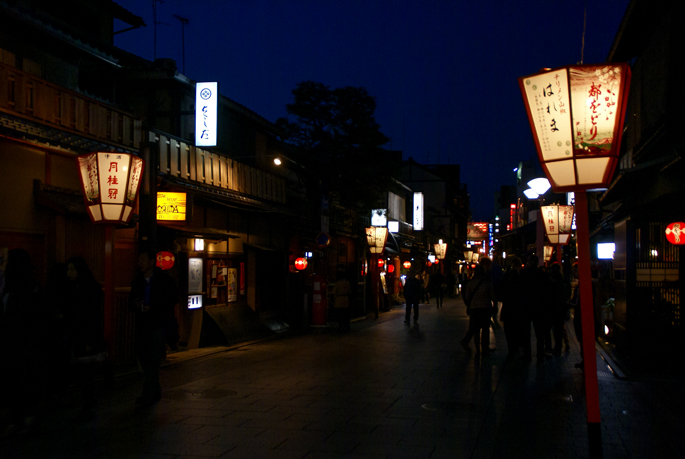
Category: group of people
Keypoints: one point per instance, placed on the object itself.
(420, 286)
(529, 295)
(53, 336)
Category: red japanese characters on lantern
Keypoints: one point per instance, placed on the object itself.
(110, 182)
(675, 233)
(406, 264)
(165, 260)
(300, 263)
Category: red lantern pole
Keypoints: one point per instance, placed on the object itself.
(588, 326)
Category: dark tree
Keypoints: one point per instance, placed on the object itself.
(338, 138)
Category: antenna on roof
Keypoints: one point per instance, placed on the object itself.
(183, 21)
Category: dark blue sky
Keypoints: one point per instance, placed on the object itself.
(444, 73)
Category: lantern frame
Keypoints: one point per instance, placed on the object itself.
(117, 172)
(440, 250)
(577, 122)
(376, 237)
(558, 222)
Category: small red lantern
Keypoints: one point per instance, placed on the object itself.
(300, 263)
(406, 264)
(391, 269)
(436, 261)
(675, 233)
(381, 263)
(428, 263)
(165, 260)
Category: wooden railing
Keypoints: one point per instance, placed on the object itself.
(179, 159)
(34, 99)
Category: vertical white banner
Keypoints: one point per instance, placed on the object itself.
(206, 101)
(418, 211)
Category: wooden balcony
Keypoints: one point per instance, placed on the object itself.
(37, 100)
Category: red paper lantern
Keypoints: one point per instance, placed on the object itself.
(381, 263)
(300, 263)
(391, 269)
(165, 260)
(406, 264)
(428, 263)
(436, 261)
(675, 233)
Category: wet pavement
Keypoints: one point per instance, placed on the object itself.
(383, 390)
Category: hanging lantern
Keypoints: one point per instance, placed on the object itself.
(300, 263)
(549, 249)
(376, 237)
(440, 250)
(558, 221)
(675, 233)
(381, 263)
(165, 260)
(576, 114)
(429, 263)
(406, 264)
(436, 261)
(391, 268)
(110, 182)
(468, 256)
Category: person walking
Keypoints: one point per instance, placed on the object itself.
(535, 284)
(425, 277)
(479, 297)
(342, 290)
(153, 298)
(412, 295)
(512, 313)
(85, 324)
(561, 294)
(437, 287)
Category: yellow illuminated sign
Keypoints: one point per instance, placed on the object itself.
(171, 206)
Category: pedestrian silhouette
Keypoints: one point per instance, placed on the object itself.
(479, 297)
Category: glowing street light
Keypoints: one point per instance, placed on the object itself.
(576, 114)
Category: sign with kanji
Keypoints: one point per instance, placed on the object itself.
(675, 233)
(206, 114)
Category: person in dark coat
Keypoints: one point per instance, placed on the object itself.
(413, 288)
(479, 296)
(437, 287)
(21, 342)
(85, 323)
(535, 284)
(560, 296)
(153, 298)
(512, 314)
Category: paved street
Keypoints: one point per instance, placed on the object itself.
(384, 390)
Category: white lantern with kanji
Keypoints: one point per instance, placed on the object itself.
(376, 236)
(440, 250)
(576, 114)
(110, 183)
(558, 221)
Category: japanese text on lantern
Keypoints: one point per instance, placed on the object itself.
(547, 96)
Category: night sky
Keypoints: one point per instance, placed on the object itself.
(444, 73)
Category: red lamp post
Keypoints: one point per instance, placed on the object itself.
(576, 114)
(110, 182)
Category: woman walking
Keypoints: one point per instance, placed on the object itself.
(478, 297)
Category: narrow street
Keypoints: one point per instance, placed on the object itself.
(384, 390)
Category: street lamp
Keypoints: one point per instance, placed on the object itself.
(376, 236)
(576, 115)
(538, 187)
(558, 222)
(109, 183)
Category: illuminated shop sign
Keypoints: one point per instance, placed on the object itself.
(206, 101)
(171, 206)
(418, 211)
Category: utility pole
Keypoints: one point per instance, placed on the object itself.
(183, 21)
